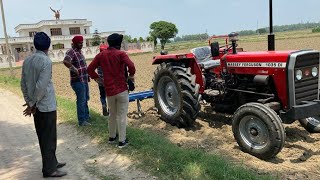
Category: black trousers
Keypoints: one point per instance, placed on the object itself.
(46, 128)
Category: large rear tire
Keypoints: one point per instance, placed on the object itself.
(258, 130)
(176, 94)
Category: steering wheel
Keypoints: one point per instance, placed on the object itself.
(225, 47)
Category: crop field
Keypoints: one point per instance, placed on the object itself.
(300, 157)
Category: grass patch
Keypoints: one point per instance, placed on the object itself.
(155, 153)
(15, 82)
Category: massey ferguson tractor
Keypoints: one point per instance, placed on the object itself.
(261, 89)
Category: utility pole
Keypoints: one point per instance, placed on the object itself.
(6, 37)
(271, 45)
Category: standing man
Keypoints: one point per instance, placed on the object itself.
(79, 79)
(113, 62)
(105, 110)
(39, 94)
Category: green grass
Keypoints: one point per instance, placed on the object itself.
(155, 153)
(13, 82)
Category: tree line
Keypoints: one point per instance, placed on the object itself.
(281, 28)
(192, 37)
(163, 31)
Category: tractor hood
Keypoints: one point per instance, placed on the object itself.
(259, 59)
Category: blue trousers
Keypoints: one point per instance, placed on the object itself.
(82, 92)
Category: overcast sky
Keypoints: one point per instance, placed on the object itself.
(190, 16)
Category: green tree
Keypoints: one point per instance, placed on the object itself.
(128, 38)
(154, 38)
(135, 40)
(316, 30)
(96, 38)
(141, 39)
(262, 31)
(164, 31)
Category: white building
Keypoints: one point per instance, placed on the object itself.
(61, 33)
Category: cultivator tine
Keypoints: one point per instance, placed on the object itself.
(140, 112)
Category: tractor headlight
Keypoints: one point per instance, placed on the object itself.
(314, 71)
(298, 74)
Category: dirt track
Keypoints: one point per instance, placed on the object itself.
(20, 154)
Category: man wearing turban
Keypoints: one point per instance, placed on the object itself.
(114, 63)
(39, 95)
(75, 61)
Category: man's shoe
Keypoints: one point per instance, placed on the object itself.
(57, 173)
(123, 144)
(113, 140)
(85, 123)
(60, 165)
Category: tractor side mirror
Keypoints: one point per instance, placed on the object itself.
(163, 52)
(214, 49)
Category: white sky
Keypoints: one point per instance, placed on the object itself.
(190, 16)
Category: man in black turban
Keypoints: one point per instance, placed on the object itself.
(42, 41)
(39, 95)
(115, 40)
(114, 64)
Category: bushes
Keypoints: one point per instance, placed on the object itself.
(316, 29)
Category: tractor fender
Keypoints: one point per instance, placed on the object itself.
(188, 60)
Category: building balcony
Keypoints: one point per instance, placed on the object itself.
(83, 22)
(20, 40)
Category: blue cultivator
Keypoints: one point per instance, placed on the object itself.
(139, 96)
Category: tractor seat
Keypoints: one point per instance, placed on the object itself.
(204, 58)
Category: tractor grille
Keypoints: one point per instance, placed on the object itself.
(307, 88)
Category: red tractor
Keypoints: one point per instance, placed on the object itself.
(262, 89)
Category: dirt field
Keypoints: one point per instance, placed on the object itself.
(299, 159)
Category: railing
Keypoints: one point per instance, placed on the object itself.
(88, 52)
(53, 38)
(52, 22)
(17, 40)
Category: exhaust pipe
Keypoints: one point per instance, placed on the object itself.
(271, 44)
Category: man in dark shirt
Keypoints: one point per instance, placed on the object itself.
(75, 61)
(113, 63)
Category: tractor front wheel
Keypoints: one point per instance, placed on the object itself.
(258, 130)
(176, 94)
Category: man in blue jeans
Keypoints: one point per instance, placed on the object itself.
(75, 61)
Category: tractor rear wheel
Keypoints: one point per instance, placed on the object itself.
(258, 130)
(176, 94)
